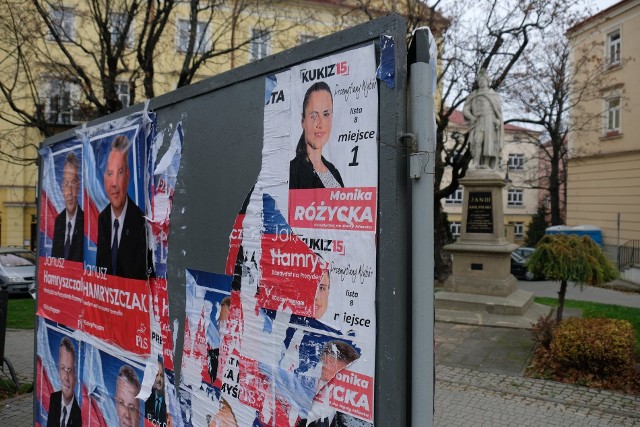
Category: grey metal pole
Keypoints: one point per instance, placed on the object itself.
(422, 126)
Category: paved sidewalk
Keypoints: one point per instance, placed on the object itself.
(19, 349)
(471, 398)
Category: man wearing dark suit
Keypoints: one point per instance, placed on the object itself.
(68, 231)
(155, 408)
(64, 410)
(122, 233)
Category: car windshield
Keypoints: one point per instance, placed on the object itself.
(17, 259)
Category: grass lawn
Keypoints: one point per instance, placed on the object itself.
(21, 313)
(594, 309)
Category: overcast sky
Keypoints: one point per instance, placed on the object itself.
(603, 4)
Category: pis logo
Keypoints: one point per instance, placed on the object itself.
(142, 340)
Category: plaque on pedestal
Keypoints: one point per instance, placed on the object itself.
(480, 212)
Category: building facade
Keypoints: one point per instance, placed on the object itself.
(47, 88)
(519, 164)
(603, 188)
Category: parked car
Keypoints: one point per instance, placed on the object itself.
(524, 252)
(519, 268)
(17, 269)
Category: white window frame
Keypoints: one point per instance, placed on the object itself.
(122, 90)
(614, 46)
(260, 46)
(516, 161)
(515, 197)
(456, 228)
(55, 89)
(454, 198)
(183, 30)
(116, 22)
(518, 229)
(63, 19)
(612, 118)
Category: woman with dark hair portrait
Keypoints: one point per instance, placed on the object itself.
(309, 169)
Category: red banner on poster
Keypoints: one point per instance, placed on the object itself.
(116, 310)
(352, 393)
(334, 208)
(60, 291)
(107, 307)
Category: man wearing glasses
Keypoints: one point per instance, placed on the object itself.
(68, 230)
(127, 406)
(63, 406)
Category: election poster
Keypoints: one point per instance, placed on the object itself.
(284, 336)
(94, 256)
(208, 301)
(299, 344)
(84, 383)
(102, 309)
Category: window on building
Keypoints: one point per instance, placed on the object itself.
(515, 198)
(260, 44)
(612, 118)
(455, 198)
(63, 22)
(518, 229)
(60, 102)
(122, 89)
(306, 38)
(613, 43)
(117, 23)
(516, 161)
(455, 227)
(184, 31)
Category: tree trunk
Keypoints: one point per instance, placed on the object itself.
(561, 294)
(554, 188)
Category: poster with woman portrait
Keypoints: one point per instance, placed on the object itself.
(303, 254)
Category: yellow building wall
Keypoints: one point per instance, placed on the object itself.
(600, 188)
(604, 171)
(17, 197)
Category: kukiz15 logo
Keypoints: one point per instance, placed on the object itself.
(324, 245)
(340, 69)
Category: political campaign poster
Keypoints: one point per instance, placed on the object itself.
(82, 282)
(84, 383)
(208, 300)
(285, 335)
(299, 346)
(58, 394)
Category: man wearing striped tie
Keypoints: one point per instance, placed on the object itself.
(68, 230)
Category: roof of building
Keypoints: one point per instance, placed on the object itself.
(597, 16)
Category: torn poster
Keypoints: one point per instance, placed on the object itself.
(299, 343)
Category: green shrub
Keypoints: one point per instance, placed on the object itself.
(602, 347)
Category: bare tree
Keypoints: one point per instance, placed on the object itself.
(489, 34)
(63, 65)
(496, 39)
(552, 82)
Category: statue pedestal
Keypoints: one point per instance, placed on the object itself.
(481, 288)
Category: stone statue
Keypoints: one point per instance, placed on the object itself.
(483, 110)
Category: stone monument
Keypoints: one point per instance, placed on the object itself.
(481, 289)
